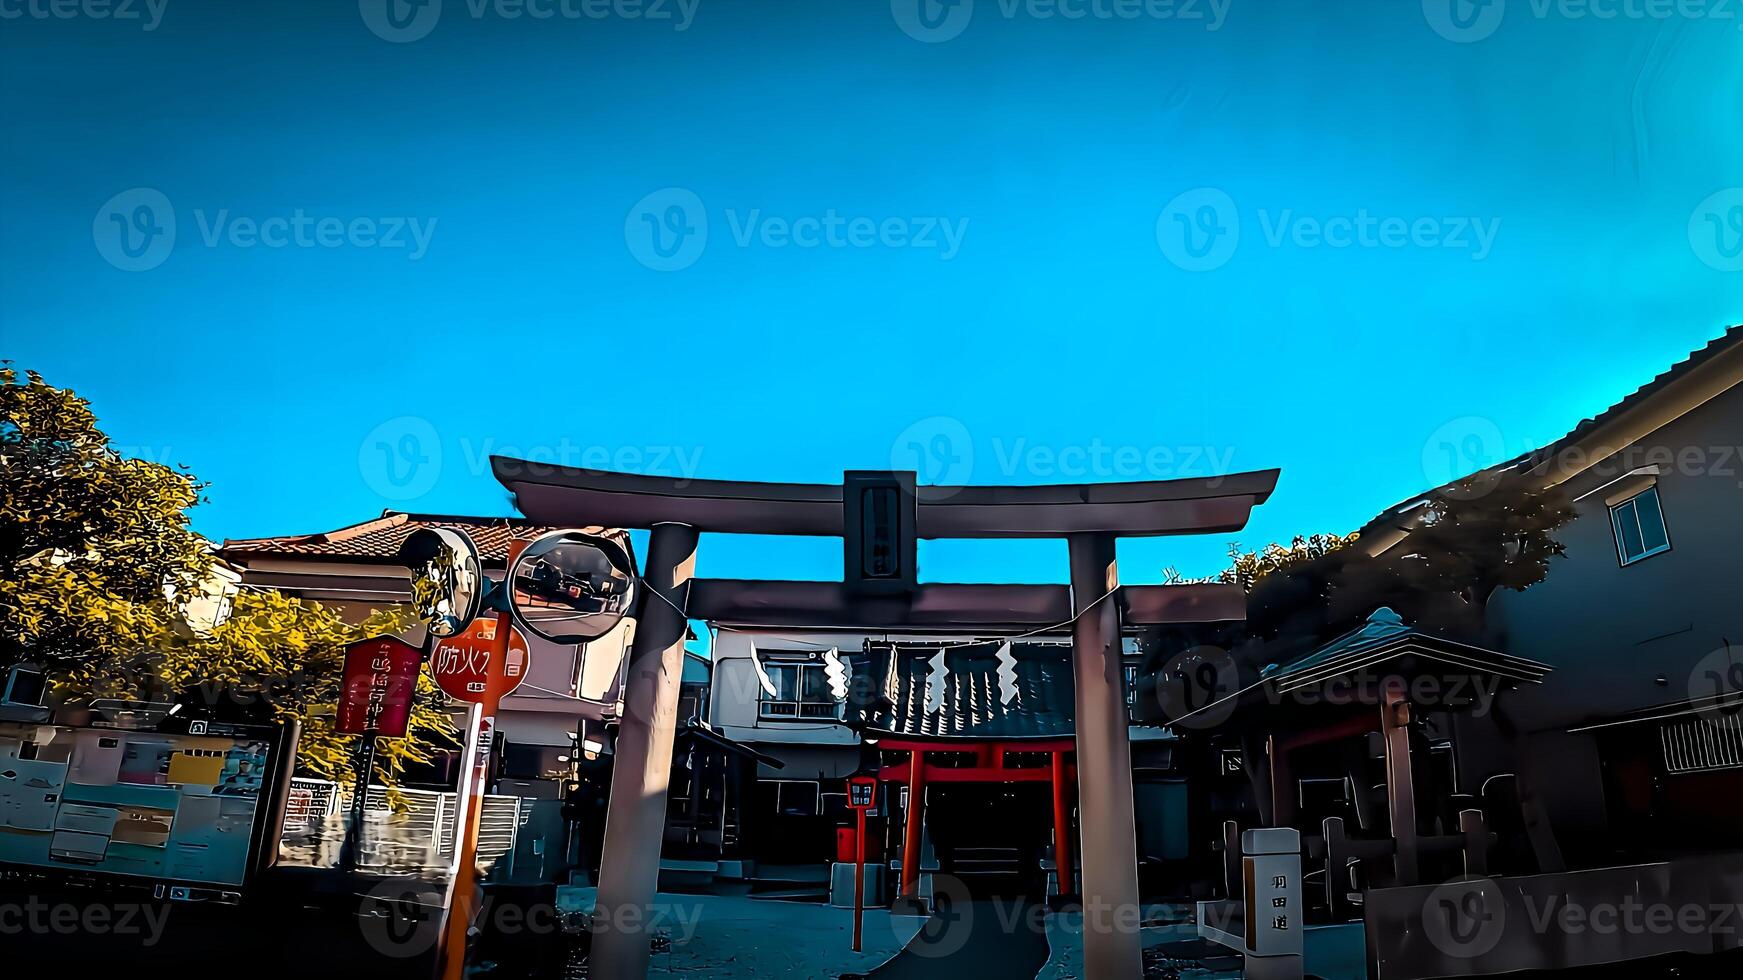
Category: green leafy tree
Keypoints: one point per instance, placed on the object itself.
(98, 564)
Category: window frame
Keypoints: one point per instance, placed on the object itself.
(781, 788)
(799, 703)
(1632, 506)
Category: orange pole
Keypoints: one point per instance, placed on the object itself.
(465, 904)
(1062, 828)
(911, 833)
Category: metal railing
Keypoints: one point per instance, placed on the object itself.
(403, 830)
(1702, 744)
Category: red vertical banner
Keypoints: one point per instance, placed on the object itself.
(381, 677)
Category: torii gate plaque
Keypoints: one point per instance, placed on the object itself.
(1089, 516)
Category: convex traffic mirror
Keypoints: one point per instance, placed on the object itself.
(571, 586)
(447, 579)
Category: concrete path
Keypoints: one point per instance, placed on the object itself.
(1005, 939)
(718, 937)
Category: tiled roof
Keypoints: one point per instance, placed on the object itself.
(1732, 337)
(972, 703)
(1385, 637)
(380, 539)
(1382, 626)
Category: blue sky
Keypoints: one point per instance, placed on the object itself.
(993, 243)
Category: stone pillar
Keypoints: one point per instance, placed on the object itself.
(1400, 782)
(635, 819)
(1107, 835)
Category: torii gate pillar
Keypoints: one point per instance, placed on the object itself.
(1112, 949)
(635, 819)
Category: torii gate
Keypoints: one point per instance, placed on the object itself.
(879, 515)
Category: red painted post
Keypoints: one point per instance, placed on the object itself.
(1062, 829)
(911, 833)
(859, 879)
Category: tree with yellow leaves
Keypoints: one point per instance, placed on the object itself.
(97, 569)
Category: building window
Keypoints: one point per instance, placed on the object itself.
(693, 703)
(795, 798)
(1639, 524)
(801, 692)
(834, 805)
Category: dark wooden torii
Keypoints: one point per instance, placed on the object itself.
(1091, 517)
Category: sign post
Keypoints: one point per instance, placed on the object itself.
(381, 676)
(566, 587)
(862, 792)
(474, 667)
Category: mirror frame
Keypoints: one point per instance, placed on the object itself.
(425, 544)
(616, 552)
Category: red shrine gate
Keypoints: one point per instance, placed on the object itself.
(990, 768)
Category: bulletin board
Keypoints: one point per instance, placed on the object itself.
(187, 807)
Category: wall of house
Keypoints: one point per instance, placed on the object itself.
(1612, 631)
(1622, 638)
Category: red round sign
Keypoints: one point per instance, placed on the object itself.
(460, 665)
